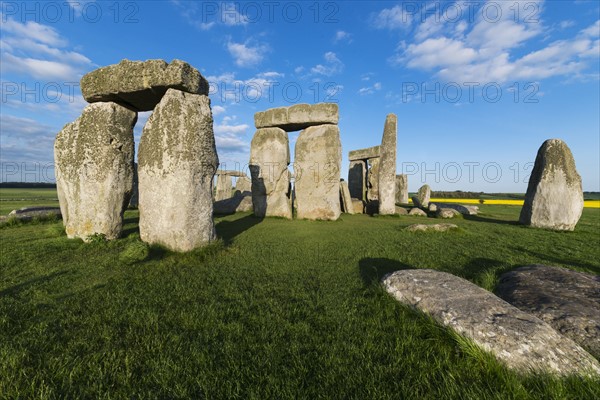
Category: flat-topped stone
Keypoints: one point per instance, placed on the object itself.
(298, 117)
(140, 85)
(431, 227)
(365, 154)
(238, 174)
(515, 337)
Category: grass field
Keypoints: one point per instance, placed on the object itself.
(12, 199)
(274, 309)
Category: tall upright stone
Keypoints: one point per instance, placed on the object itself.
(347, 205)
(269, 160)
(357, 179)
(554, 198)
(94, 170)
(402, 189)
(423, 196)
(317, 166)
(373, 179)
(224, 187)
(177, 161)
(387, 167)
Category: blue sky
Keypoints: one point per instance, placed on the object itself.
(477, 86)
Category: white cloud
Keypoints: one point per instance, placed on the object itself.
(342, 36)
(24, 139)
(246, 54)
(566, 24)
(370, 89)
(229, 88)
(332, 66)
(392, 18)
(228, 135)
(216, 110)
(34, 31)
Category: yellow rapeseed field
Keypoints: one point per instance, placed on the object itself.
(586, 204)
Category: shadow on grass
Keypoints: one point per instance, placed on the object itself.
(228, 230)
(479, 218)
(556, 260)
(372, 270)
(478, 267)
(15, 290)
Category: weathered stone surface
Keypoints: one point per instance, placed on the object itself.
(462, 209)
(554, 198)
(243, 186)
(269, 160)
(365, 154)
(431, 228)
(417, 212)
(223, 188)
(93, 159)
(233, 205)
(387, 167)
(373, 180)
(347, 205)
(517, 338)
(432, 207)
(401, 211)
(357, 179)
(318, 157)
(140, 85)
(359, 206)
(446, 213)
(297, 117)
(567, 300)
(402, 189)
(177, 161)
(29, 213)
(422, 198)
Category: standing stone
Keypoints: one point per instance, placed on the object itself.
(94, 170)
(387, 167)
(318, 159)
(135, 196)
(346, 198)
(554, 198)
(422, 197)
(357, 179)
(243, 186)
(373, 180)
(224, 187)
(269, 160)
(177, 162)
(358, 206)
(517, 338)
(402, 189)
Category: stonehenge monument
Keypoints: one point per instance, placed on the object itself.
(317, 164)
(225, 202)
(554, 198)
(372, 172)
(94, 155)
(402, 189)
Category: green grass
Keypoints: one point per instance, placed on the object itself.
(275, 309)
(12, 199)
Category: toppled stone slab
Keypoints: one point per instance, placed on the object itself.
(432, 207)
(346, 199)
(318, 160)
(29, 213)
(421, 200)
(461, 208)
(417, 212)
(93, 158)
(554, 198)
(140, 85)
(177, 162)
(517, 338)
(567, 300)
(401, 211)
(387, 167)
(446, 213)
(269, 160)
(431, 228)
(297, 117)
(365, 154)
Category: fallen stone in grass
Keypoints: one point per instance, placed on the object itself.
(417, 212)
(567, 300)
(401, 211)
(520, 340)
(431, 228)
(28, 213)
(463, 209)
(446, 213)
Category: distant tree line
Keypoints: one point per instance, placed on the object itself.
(27, 185)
